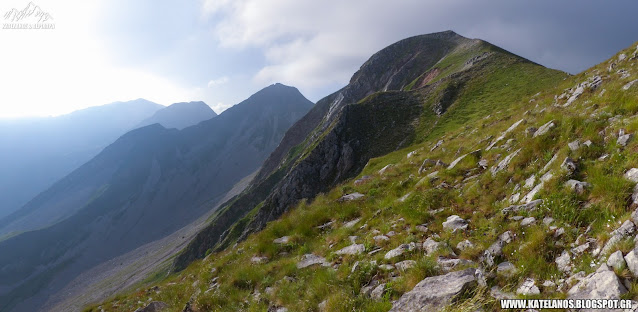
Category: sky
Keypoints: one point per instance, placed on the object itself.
(222, 51)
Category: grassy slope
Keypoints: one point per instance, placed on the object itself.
(478, 200)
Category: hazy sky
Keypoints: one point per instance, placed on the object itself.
(222, 51)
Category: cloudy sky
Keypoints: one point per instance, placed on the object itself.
(222, 51)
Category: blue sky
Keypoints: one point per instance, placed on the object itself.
(222, 51)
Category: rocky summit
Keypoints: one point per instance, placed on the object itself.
(358, 210)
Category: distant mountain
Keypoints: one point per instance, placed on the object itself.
(180, 115)
(404, 93)
(149, 183)
(37, 152)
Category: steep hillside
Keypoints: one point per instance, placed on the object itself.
(399, 97)
(508, 195)
(38, 152)
(180, 115)
(149, 183)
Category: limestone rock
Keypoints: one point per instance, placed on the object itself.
(434, 293)
(631, 259)
(616, 260)
(399, 251)
(430, 246)
(311, 259)
(577, 186)
(632, 175)
(564, 262)
(466, 244)
(602, 284)
(353, 249)
(544, 129)
(405, 265)
(282, 240)
(568, 165)
(351, 197)
(528, 221)
(506, 269)
(504, 163)
(455, 223)
(528, 288)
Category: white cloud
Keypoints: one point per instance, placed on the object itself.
(218, 81)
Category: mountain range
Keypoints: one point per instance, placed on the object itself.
(448, 174)
(146, 185)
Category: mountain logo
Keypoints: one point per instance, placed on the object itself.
(31, 17)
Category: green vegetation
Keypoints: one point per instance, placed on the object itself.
(402, 198)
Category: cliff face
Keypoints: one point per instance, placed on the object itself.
(398, 96)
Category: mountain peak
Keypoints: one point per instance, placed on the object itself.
(181, 115)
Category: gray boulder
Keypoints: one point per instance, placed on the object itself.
(568, 165)
(631, 259)
(506, 269)
(405, 265)
(311, 259)
(504, 163)
(351, 197)
(602, 284)
(353, 249)
(396, 252)
(435, 293)
(455, 223)
(577, 186)
(544, 129)
(632, 175)
(528, 288)
(616, 260)
(564, 262)
(496, 249)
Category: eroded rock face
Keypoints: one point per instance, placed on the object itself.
(434, 293)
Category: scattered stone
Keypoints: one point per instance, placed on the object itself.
(430, 246)
(577, 93)
(282, 240)
(448, 264)
(528, 221)
(399, 250)
(405, 265)
(516, 218)
(455, 223)
(624, 139)
(326, 225)
(434, 293)
(380, 238)
(154, 306)
(377, 292)
(323, 306)
(616, 260)
(631, 259)
(436, 145)
(466, 244)
(629, 85)
(601, 284)
(504, 163)
(506, 269)
(422, 228)
(544, 129)
(530, 206)
(386, 267)
(351, 223)
(559, 232)
(258, 260)
(456, 161)
(588, 143)
(496, 249)
(412, 154)
(568, 165)
(632, 175)
(603, 157)
(311, 259)
(581, 249)
(363, 180)
(564, 262)
(498, 294)
(482, 164)
(549, 285)
(577, 186)
(548, 220)
(502, 136)
(351, 197)
(390, 234)
(353, 249)
(528, 288)
(549, 163)
(574, 146)
(529, 183)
